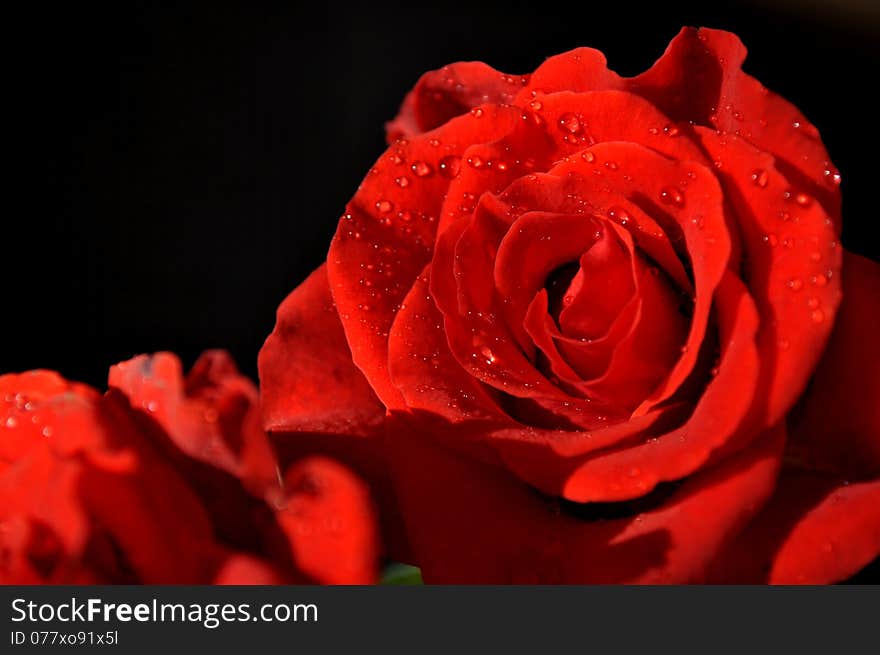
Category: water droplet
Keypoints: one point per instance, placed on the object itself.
(819, 280)
(475, 161)
(670, 130)
(759, 177)
(832, 176)
(803, 200)
(11, 422)
(152, 406)
(570, 123)
(384, 206)
(488, 355)
(421, 169)
(449, 166)
(813, 302)
(611, 165)
(47, 431)
(477, 112)
(402, 181)
(770, 240)
(817, 316)
(588, 157)
(536, 105)
(795, 284)
(672, 196)
(618, 215)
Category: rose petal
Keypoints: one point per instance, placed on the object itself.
(817, 529)
(602, 286)
(699, 78)
(92, 474)
(241, 569)
(212, 415)
(329, 519)
(387, 235)
(688, 198)
(473, 523)
(581, 69)
(836, 427)
(443, 94)
(633, 469)
(792, 265)
(737, 103)
(314, 398)
(424, 369)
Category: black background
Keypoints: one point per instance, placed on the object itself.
(182, 167)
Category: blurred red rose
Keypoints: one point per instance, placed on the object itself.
(588, 306)
(167, 479)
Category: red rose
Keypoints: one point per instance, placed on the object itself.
(589, 306)
(167, 479)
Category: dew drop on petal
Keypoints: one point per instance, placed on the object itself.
(832, 176)
(803, 199)
(618, 215)
(570, 123)
(487, 355)
(449, 166)
(759, 177)
(672, 196)
(421, 169)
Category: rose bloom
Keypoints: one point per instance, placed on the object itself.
(167, 479)
(581, 328)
